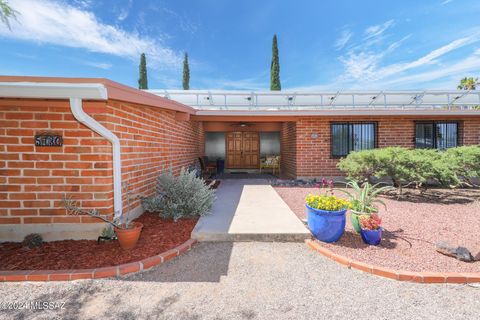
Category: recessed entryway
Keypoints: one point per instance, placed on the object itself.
(254, 148)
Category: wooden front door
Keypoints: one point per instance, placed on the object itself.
(243, 150)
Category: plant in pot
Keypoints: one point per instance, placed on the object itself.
(326, 214)
(363, 200)
(127, 231)
(371, 229)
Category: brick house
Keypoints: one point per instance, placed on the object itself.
(108, 135)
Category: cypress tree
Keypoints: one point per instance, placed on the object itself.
(142, 81)
(186, 73)
(275, 67)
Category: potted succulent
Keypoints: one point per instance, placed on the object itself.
(128, 232)
(326, 215)
(363, 200)
(371, 229)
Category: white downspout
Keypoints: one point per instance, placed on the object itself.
(83, 117)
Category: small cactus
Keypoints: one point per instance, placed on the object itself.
(32, 240)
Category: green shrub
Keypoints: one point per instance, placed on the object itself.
(394, 162)
(185, 195)
(464, 163)
(425, 166)
(360, 165)
(418, 166)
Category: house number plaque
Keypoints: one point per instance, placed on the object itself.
(48, 140)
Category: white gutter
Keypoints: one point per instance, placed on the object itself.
(83, 117)
(75, 93)
(53, 90)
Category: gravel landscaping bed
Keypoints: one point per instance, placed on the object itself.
(412, 227)
(158, 235)
(245, 280)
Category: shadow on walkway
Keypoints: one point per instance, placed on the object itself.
(204, 263)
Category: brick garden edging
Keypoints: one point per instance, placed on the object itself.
(105, 272)
(400, 275)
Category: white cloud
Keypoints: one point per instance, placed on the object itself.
(428, 59)
(99, 65)
(83, 3)
(345, 36)
(361, 61)
(52, 22)
(364, 65)
(361, 65)
(446, 2)
(378, 30)
(259, 82)
(125, 11)
(455, 70)
(123, 15)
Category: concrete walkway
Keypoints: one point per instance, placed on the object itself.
(245, 281)
(249, 210)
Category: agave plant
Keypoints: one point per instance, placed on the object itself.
(363, 199)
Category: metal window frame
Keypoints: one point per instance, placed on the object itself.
(350, 143)
(434, 126)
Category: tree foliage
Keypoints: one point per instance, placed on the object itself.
(186, 73)
(468, 83)
(275, 67)
(7, 13)
(142, 80)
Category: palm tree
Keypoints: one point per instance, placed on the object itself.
(469, 83)
(6, 13)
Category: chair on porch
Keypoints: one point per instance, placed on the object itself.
(270, 162)
(207, 169)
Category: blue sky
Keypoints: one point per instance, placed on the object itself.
(324, 45)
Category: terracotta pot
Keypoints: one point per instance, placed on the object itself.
(128, 238)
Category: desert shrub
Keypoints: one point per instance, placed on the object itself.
(464, 163)
(360, 165)
(424, 166)
(185, 195)
(419, 167)
(395, 162)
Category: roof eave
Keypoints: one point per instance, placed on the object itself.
(332, 112)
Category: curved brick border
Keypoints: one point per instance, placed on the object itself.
(115, 271)
(400, 275)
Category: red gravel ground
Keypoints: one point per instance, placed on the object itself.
(411, 228)
(158, 235)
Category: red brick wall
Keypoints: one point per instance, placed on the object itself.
(33, 179)
(152, 141)
(313, 157)
(288, 149)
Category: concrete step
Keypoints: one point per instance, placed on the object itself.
(250, 210)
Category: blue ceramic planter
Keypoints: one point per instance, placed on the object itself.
(327, 226)
(371, 237)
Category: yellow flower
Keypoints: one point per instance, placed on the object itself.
(326, 202)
